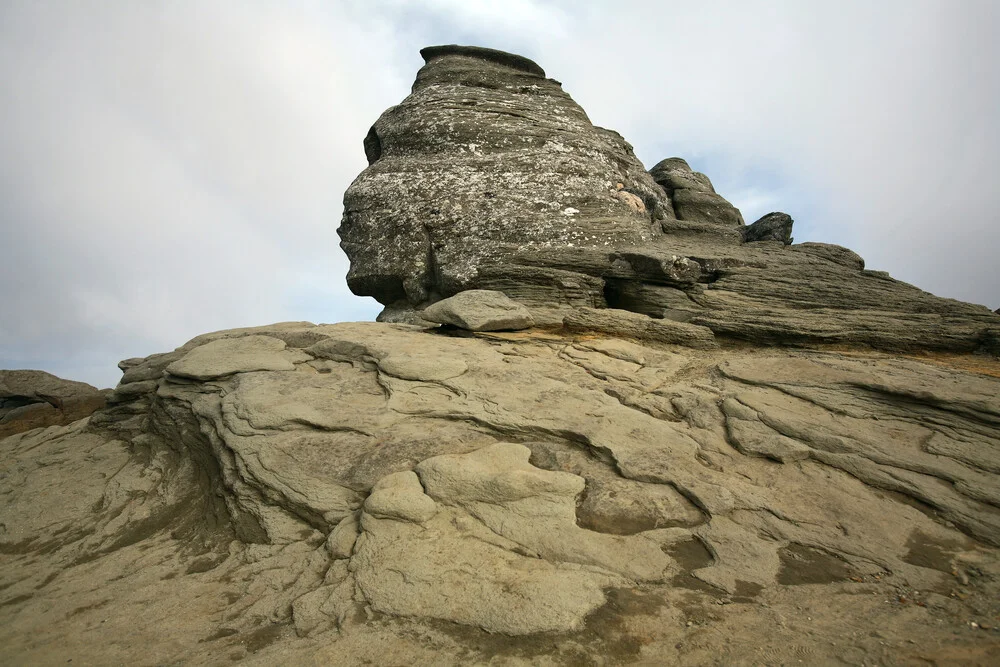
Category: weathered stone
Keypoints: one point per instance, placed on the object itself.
(536, 286)
(400, 496)
(705, 207)
(626, 324)
(489, 177)
(692, 195)
(771, 227)
(480, 310)
(235, 355)
(36, 399)
(402, 312)
(387, 483)
(834, 253)
(658, 301)
(484, 159)
(675, 173)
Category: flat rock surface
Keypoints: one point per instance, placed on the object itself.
(383, 493)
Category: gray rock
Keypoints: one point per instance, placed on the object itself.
(226, 356)
(402, 312)
(485, 159)
(488, 176)
(540, 286)
(692, 195)
(834, 253)
(39, 386)
(771, 227)
(480, 310)
(675, 173)
(705, 207)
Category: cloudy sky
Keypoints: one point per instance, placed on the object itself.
(169, 168)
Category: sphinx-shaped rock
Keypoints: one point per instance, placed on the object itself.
(488, 176)
(485, 159)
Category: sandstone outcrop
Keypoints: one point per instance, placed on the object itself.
(588, 464)
(361, 484)
(35, 399)
(489, 176)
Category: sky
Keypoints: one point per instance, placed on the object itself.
(169, 168)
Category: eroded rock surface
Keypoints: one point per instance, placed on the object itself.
(336, 491)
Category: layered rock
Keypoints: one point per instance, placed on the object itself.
(487, 158)
(692, 194)
(488, 176)
(390, 490)
(34, 399)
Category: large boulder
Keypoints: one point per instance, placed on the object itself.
(486, 158)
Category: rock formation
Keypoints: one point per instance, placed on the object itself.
(34, 399)
(613, 485)
(489, 176)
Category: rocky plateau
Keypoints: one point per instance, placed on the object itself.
(601, 421)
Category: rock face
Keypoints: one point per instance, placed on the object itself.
(325, 494)
(624, 481)
(33, 399)
(489, 176)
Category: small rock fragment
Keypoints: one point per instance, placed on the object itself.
(480, 310)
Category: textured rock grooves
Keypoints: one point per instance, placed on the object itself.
(323, 480)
